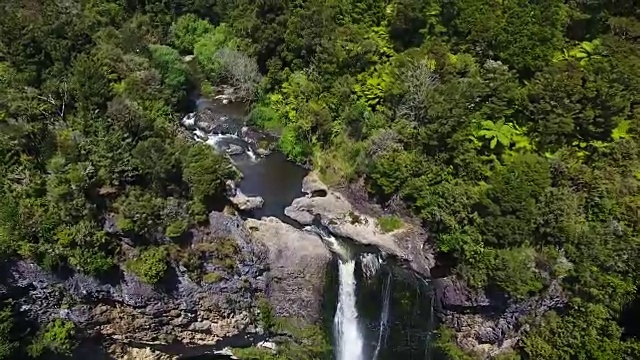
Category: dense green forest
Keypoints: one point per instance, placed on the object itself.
(510, 128)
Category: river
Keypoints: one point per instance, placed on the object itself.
(376, 309)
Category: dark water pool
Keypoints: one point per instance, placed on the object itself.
(274, 178)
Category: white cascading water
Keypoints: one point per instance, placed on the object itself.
(384, 315)
(346, 327)
(347, 330)
(370, 264)
(219, 142)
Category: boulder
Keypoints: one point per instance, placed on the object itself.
(240, 200)
(244, 202)
(341, 219)
(132, 353)
(298, 262)
(189, 121)
(263, 152)
(234, 149)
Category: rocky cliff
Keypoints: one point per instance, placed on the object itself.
(489, 324)
(184, 311)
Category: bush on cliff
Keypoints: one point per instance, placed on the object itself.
(56, 337)
(151, 265)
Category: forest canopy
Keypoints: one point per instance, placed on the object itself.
(509, 128)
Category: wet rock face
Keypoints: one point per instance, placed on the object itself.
(126, 310)
(489, 325)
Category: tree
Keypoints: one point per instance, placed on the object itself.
(511, 200)
(172, 69)
(206, 172)
(208, 45)
(187, 30)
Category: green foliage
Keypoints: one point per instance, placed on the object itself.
(139, 212)
(265, 117)
(267, 316)
(187, 30)
(304, 343)
(206, 172)
(446, 346)
(176, 228)
(587, 332)
(7, 342)
(511, 200)
(522, 34)
(209, 45)
(514, 271)
(151, 265)
(56, 337)
(212, 278)
(509, 128)
(389, 223)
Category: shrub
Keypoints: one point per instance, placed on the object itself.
(225, 252)
(212, 278)
(389, 223)
(265, 117)
(151, 265)
(267, 315)
(445, 345)
(56, 337)
(176, 228)
(7, 345)
(514, 271)
(206, 172)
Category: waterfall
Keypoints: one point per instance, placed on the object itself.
(347, 330)
(427, 349)
(370, 264)
(251, 154)
(384, 315)
(346, 327)
(331, 242)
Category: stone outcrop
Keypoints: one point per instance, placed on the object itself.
(340, 218)
(313, 186)
(489, 325)
(234, 149)
(132, 353)
(298, 263)
(242, 201)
